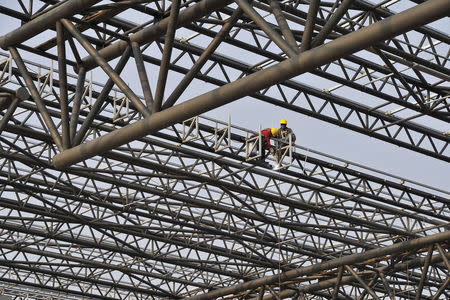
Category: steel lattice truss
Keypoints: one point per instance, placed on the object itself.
(106, 193)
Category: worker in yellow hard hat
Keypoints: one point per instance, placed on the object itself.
(284, 132)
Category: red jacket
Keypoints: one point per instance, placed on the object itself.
(266, 134)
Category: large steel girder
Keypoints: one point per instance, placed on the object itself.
(343, 112)
(347, 113)
(339, 281)
(304, 62)
(388, 272)
(44, 21)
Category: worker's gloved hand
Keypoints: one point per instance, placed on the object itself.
(272, 150)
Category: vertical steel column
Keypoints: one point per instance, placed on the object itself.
(331, 23)
(165, 60)
(100, 99)
(282, 23)
(418, 15)
(272, 34)
(220, 36)
(63, 96)
(309, 26)
(37, 98)
(44, 21)
(107, 68)
(76, 104)
(142, 74)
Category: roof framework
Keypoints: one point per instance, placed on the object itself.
(106, 193)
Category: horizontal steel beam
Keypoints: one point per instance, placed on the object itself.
(305, 62)
(334, 263)
(44, 22)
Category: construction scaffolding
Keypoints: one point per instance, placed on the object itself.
(116, 188)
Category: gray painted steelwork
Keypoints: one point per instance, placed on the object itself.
(175, 215)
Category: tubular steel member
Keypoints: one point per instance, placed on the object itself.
(167, 52)
(11, 100)
(140, 66)
(44, 21)
(36, 97)
(101, 98)
(304, 62)
(283, 24)
(309, 26)
(153, 32)
(63, 97)
(5, 100)
(76, 104)
(331, 264)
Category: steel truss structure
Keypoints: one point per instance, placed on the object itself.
(119, 190)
